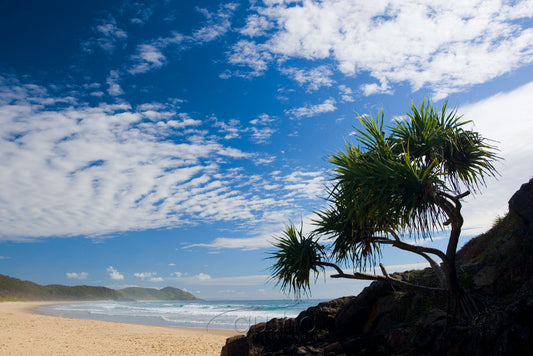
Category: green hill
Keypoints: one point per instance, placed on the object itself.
(16, 289)
(167, 293)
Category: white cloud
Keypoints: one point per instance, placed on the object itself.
(218, 23)
(202, 277)
(143, 275)
(250, 54)
(263, 119)
(142, 14)
(107, 36)
(346, 94)
(302, 183)
(262, 129)
(256, 26)
(249, 243)
(313, 79)
(262, 134)
(231, 129)
(148, 57)
(74, 275)
(73, 169)
(373, 88)
(264, 237)
(505, 118)
(206, 280)
(157, 279)
(446, 46)
(111, 35)
(114, 274)
(4, 258)
(114, 88)
(313, 110)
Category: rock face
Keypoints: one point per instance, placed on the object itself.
(495, 269)
(521, 204)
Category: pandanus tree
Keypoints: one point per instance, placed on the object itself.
(398, 185)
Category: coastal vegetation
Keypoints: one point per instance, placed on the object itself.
(13, 289)
(495, 267)
(399, 184)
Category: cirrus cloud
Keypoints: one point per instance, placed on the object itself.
(71, 169)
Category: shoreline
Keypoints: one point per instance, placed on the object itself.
(26, 332)
(39, 310)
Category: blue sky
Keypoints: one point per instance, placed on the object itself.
(157, 143)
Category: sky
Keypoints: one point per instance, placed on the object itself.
(164, 143)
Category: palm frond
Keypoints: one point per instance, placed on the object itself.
(296, 257)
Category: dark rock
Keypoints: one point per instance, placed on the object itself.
(521, 203)
(486, 276)
(275, 334)
(366, 345)
(235, 346)
(353, 317)
(435, 318)
(398, 338)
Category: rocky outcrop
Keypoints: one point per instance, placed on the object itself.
(521, 204)
(496, 270)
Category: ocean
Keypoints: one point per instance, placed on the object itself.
(221, 314)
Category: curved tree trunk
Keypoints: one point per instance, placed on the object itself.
(450, 269)
(455, 219)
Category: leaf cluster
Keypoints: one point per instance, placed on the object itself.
(396, 180)
(295, 257)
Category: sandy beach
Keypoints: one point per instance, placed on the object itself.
(25, 333)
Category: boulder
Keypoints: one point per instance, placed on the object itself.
(521, 204)
(353, 317)
(235, 346)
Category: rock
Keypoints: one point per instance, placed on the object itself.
(435, 318)
(308, 351)
(275, 334)
(235, 346)
(486, 276)
(322, 317)
(398, 338)
(521, 204)
(353, 316)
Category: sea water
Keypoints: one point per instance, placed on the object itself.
(220, 314)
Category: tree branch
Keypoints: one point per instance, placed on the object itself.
(332, 265)
(422, 251)
(454, 198)
(412, 248)
(383, 270)
(385, 278)
(394, 234)
(391, 280)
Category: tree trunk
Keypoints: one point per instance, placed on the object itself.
(451, 205)
(449, 266)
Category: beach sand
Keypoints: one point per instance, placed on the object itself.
(25, 333)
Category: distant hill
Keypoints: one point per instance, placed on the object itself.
(16, 289)
(167, 293)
